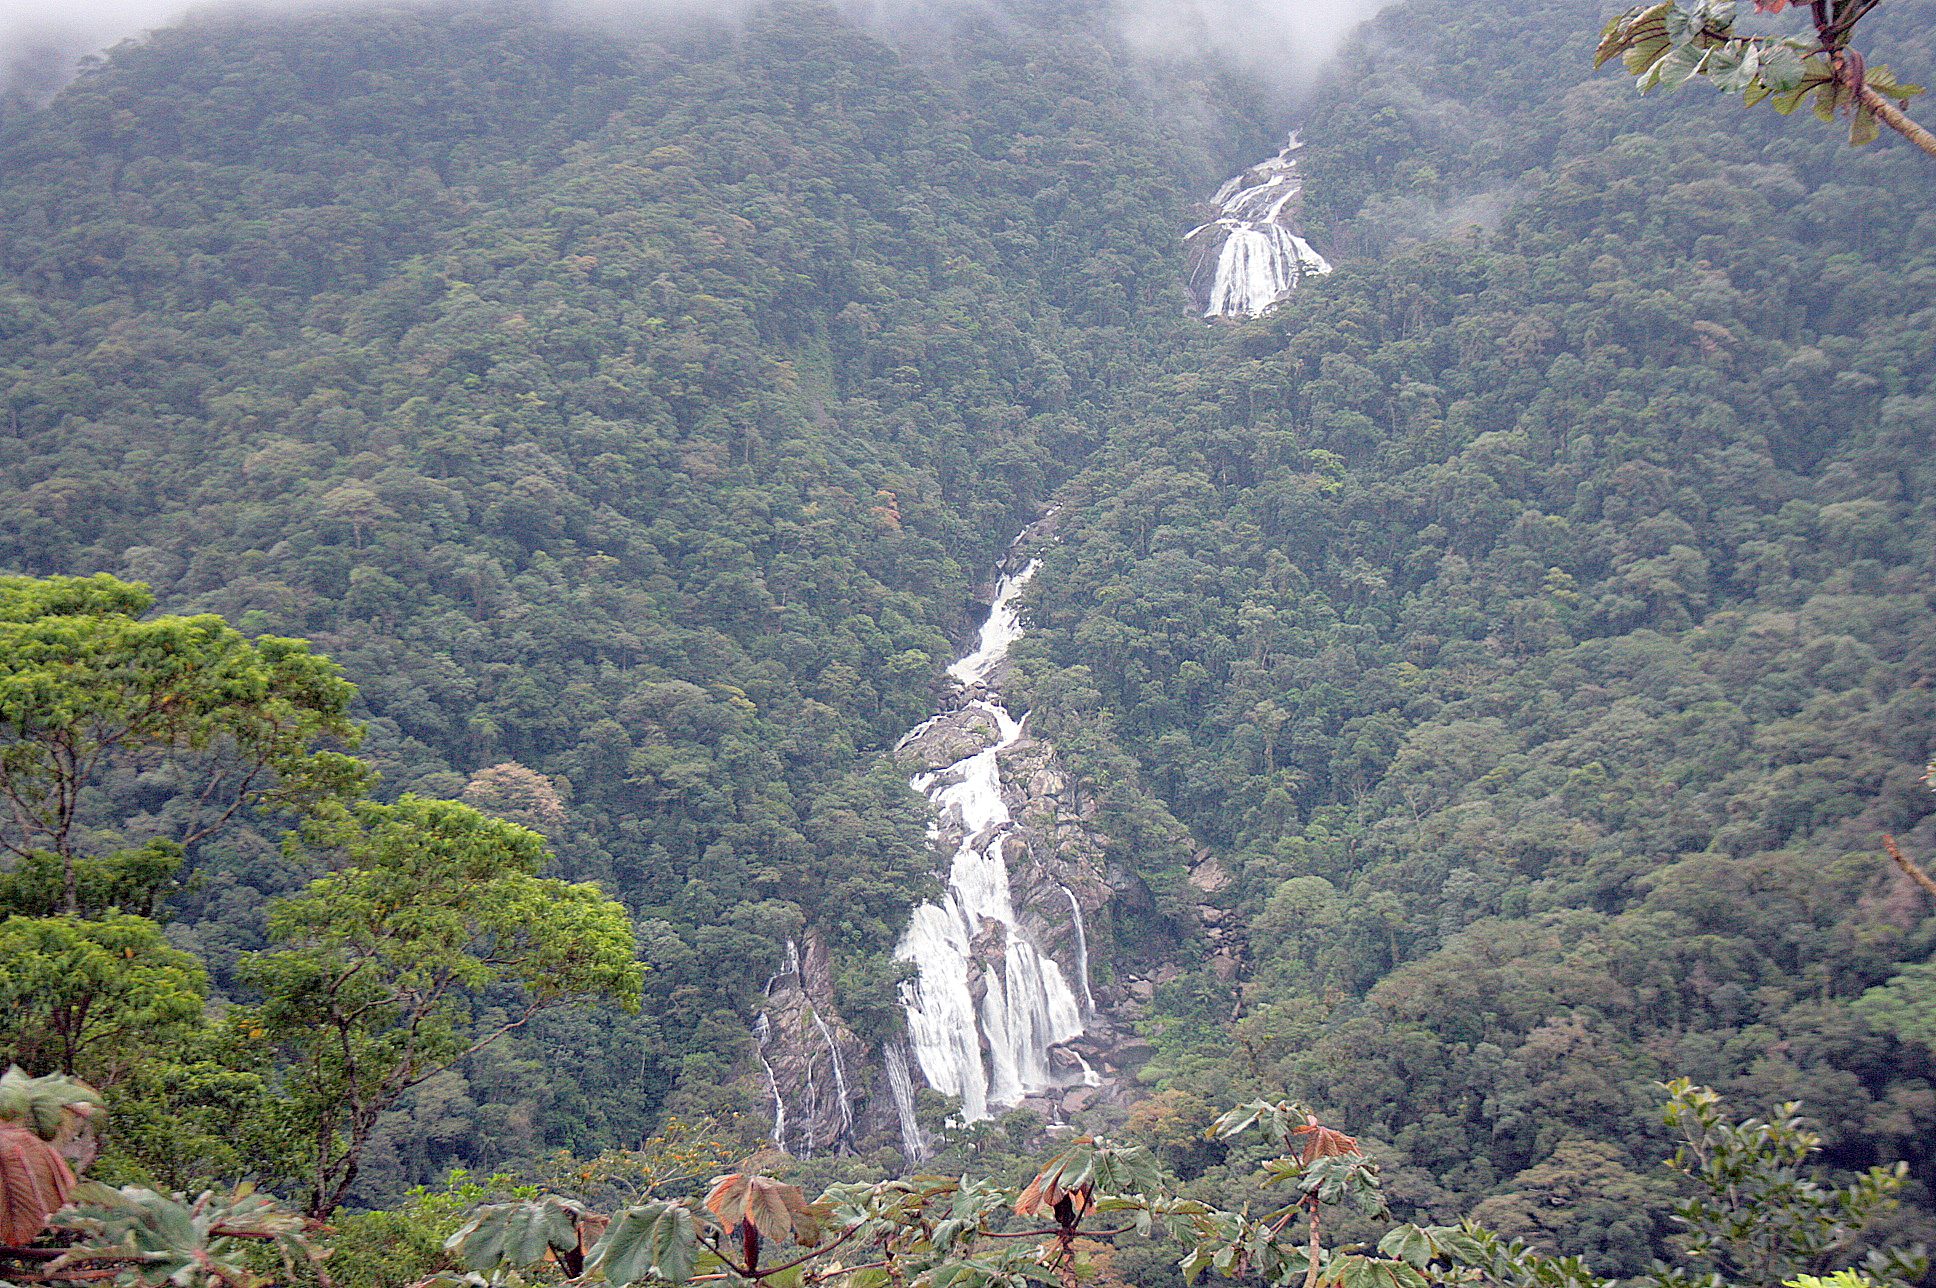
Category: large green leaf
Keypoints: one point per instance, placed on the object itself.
(47, 1104)
(654, 1240)
(516, 1234)
(214, 1239)
(1410, 1244)
(1354, 1271)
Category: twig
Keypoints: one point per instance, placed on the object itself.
(1896, 119)
(1903, 861)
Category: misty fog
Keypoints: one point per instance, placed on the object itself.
(41, 41)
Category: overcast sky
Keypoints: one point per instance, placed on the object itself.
(40, 38)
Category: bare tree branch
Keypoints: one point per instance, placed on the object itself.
(1909, 866)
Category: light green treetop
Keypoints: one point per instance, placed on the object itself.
(87, 687)
(374, 987)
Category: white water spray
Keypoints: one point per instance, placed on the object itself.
(1259, 259)
(900, 1082)
(995, 1053)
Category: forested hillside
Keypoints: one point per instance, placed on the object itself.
(1535, 627)
(1507, 655)
(642, 413)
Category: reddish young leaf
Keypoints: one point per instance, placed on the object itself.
(1068, 1177)
(35, 1183)
(1322, 1142)
(773, 1208)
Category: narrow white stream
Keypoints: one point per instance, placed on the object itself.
(840, 1075)
(762, 1030)
(1082, 951)
(900, 1082)
(992, 1054)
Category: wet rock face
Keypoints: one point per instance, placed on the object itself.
(1051, 846)
(817, 1072)
(1033, 815)
(1004, 1009)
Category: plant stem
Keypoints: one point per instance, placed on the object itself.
(1909, 866)
(1311, 1271)
(1892, 116)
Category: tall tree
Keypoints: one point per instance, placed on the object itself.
(378, 984)
(87, 689)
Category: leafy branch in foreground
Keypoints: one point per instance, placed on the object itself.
(1670, 43)
(1759, 1214)
(1757, 1217)
(57, 1229)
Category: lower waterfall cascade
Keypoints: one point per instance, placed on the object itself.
(993, 1053)
(1250, 252)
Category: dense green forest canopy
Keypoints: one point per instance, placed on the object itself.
(1530, 621)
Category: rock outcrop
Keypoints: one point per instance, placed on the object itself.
(817, 1071)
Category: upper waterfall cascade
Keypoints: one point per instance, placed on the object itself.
(1250, 253)
(991, 1051)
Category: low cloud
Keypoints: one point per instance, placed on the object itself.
(1283, 39)
(42, 41)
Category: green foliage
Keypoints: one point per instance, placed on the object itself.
(1544, 750)
(1759, 1215)
(520, 1233)
(653, 1241)
(46, 1104)
(1088, 1171)
(374, 989)
(156, 1239)
(94, 997)
(1840, 1279)
(1529, 623)
(41, 1122)
(132, 881)
(86, 687)
(1905, 1005)
(404, 1245)
(638, 407)
(1667, 44)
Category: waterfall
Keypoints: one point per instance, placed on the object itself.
(1082, 953)
(1259, 258)
(840, 1075)
(812, 1098)
(1003, 628)
(1026, 1004)
(900, 1081)
(761, 1030)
